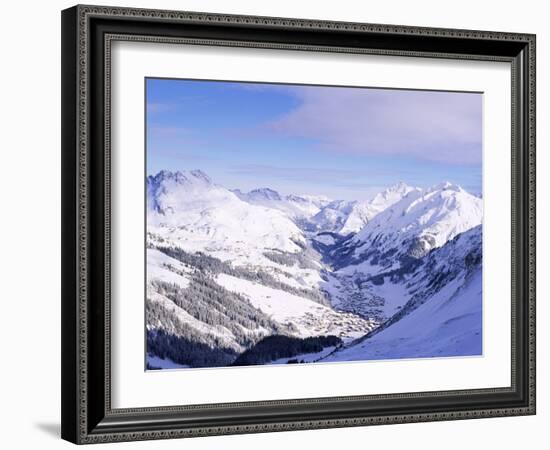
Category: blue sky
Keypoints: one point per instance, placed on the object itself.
(346, 143)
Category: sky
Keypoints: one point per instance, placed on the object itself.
(343, 142)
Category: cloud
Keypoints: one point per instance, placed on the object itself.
(437, 126)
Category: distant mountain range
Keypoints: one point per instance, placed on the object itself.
(229, 271)
(319, 213)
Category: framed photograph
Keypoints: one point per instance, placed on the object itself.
(280, 224)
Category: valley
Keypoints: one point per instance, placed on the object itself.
(239, 278)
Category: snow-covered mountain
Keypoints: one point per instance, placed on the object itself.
(212, 257)
(346, 217)
(229, 272)
(320, 214)
(297, 207)
(333, 216)
(372, 269)
(443, 312)
(389, 197)
(188, 210)
(421, 221)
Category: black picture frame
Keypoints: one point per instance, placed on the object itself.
(87, 415)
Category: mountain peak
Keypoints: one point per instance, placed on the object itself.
(179, 177)
(420, 221)
(399, 188)
(401, 185)
(200, 175)
(163, 175)
(264, 193)
(445, 186)
(391, 195)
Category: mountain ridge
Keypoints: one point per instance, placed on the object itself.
(297, 266)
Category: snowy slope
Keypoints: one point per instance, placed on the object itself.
(380, 291)
(161, 267)
(345, 217)
(363, 212)
(226, 269)
(198, 232)
(179, 315)
(442, 315)
(443, 326)
(421, 221)
(187, 210)
(374, 270)
(390, 196)
(303, 316)
(296, 207)
(155, 362)
(332, 217)
(320, 214)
